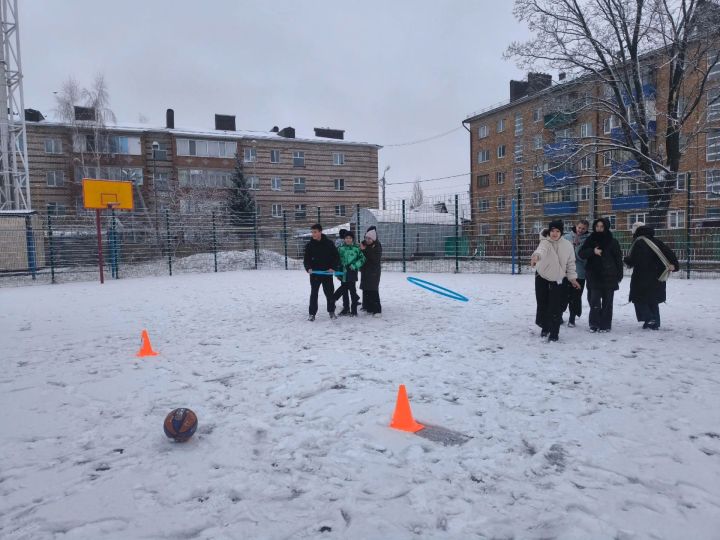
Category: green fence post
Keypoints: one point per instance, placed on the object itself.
(255, 237)
(52, 249)
(457, 237)
(519, 229)
(357, 213)
(167, 240)
(404, 237)
(285, 238)
(318, 215)
(214, 241)
(687, 224)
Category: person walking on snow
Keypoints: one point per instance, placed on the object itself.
(322, 255)
(554, 261)
(351, 260)
(577, 237)
(651, 261)
(370, 272)
(345, 296)
(604, 272)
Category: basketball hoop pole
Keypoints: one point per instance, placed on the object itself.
(100, 255)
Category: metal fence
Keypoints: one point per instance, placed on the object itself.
(439, 236)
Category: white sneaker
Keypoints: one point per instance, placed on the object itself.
(377, 315)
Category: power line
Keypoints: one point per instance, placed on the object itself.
(428, 179)
(424, 140)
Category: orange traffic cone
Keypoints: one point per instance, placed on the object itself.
(145, 347)
(402, 417)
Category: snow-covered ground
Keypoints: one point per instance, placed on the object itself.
(599, 436)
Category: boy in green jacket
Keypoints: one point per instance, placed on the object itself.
(351, 259)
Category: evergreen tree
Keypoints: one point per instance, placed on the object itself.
(242, 202)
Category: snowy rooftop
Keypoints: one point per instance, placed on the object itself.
(411, 216)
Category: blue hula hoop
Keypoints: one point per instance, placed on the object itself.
(326, 273)
(437, 289)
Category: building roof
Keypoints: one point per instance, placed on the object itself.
(428, 218)
(214, 133)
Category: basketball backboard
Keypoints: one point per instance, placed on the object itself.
(104, 194)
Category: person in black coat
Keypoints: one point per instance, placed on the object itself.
(370, 272)
(647, 292)
(321, 254)
(603, 271)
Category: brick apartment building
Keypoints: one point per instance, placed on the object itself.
(190, 171)
(523, 148)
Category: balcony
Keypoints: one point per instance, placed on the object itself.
(558, 179)
(630, 202)
(560, 208)
(558, 119)
(617, 133)
(648, 90)
(560, 151)
(625, 168)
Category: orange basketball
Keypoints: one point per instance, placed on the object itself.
(180, 424)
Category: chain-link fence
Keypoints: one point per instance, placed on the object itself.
(447, 234)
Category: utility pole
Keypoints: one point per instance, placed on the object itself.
(382, 184)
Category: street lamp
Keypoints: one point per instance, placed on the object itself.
(155, 148)
(382, 183)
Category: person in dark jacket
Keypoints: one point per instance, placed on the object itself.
(345, 294)
(351, 260)
(647, 292)
(603, 271)
(321, 254)
(370, 272)
(577, 237)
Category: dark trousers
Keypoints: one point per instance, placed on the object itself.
(576, 300)
(551, 299)
(371, 301)
(648, 311)
(601, 308)
(346, 290)
(316, 281)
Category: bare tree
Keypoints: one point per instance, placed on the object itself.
(622, 49)
(417, 196)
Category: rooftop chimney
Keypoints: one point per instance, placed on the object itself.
(224, 122)
(84, 113)
(287, 132)
(561, 76)
(275, 129)
(31, 115)
(170, 119)
(518, 89)
(330, 133)
(538, 82)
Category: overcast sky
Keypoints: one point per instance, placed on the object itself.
(387, 72)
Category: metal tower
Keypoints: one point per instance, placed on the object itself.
(14, 175)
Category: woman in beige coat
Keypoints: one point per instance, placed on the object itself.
(554, 260)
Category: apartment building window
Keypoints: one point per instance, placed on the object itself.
(681, 182)
(537, 142)
(483, 180)
(200, 148)
(713, 104)
(298, 159)
(299, 185)
(55, 178)
(712, 184)
(584, 194)
(483, 229)
(503, 227)
(300, 211)
(607, 158)
(537, 114)
(518, 174)
(501, 202)
(500, 177)
(713, 63)
(676, 219)
(253, 183)
(501, 151)
(501, 125)
(56, 209)
(713, 145)
(483, 131)
(613, 221)
(161, 181)
(483, 205)
(518, 124)
(483, 156)
(607, 189)
(339, 184)
(340, 210)
(536, 198)
(338, 158)
(586, 129)
(586, 163)
(518, 153)
(562, 135)
(53, 146)
(636, 218)
(610, 123)
(250, 155)
(539, 170)
(276, 210)
(274, 156)
(276, 183)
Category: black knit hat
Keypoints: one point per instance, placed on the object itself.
(347, 233)
(557, 224)
(343, 233)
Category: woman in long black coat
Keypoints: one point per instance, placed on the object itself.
(603, 271)
(647, 292)
(370, 272)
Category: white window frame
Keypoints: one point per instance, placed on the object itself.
(300, 209)
(519, 127)
(54, 146)
(612, 218)
(483, 156)
(253, 182)
(275, 156)
(297, 182)
(607, 158)
(340, 210)
(586, 163)
(501, 202)
(481, 184)
(501, 125)
(500, 177)
(276, 210)
(56, 208)
(338, 158)
(713, 57)
(586, 129)
(638, 217)
(54, 182)
(713, 110)
(681, 182)
(298, 158)
(339, 184)
(483, 229)
(483, 205)
(536, 198)
(676, 219)
(483, 131)
(250, 155)
(713, 145)
(518, 152)
(537, 142)
(712, 184)
(501, 151)
(276, 183)
(584, 193)
(607, 191)
(537, 114)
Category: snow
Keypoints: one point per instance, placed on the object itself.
(598, 436)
